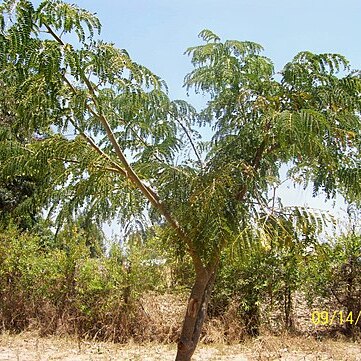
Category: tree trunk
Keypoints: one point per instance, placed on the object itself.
(195, 315)
(288, 309)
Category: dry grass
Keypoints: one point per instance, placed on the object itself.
(159, 317)
(300, 348)
(31, 347)
(155, 328)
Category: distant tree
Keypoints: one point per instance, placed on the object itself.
(116, 145)
(17, 192)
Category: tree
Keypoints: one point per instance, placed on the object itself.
(112, 139)
(16, 192)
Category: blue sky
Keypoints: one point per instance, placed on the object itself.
(156, 34)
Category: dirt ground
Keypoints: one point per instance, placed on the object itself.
(30, 347)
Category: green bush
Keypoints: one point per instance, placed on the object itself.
(333, 274)
(63, 289)
(263, 281)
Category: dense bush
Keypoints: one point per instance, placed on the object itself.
(62, 288)
(263, 282)
(58, 286)
(333, 274)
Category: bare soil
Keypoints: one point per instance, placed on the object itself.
(30, 347)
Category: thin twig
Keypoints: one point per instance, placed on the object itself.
(98, 166)
(185, 130)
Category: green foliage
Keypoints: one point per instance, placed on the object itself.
(260, 123)
(45, 284)
(18, 191)
(334, 272)
(264, 266)
(111, 106)
(309, 117)
(52, 84)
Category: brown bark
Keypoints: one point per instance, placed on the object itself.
(195, 314)
(288, 309)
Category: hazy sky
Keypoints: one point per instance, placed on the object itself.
(156, 34)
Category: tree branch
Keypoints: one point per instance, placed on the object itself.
(129, 172)
(91, 142)
(256, 161)
(185, 130)
(98, 166)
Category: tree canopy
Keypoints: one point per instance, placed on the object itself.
(108, 141)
